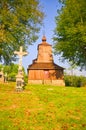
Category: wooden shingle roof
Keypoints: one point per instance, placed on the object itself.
(40, 66)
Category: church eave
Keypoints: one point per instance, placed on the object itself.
(44, 66)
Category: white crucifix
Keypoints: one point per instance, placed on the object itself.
(20, 54)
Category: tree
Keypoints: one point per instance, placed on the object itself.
(70, 32)
(11, 71)
(20, 21)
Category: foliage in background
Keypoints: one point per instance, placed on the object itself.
(20, 21)
(75, 81)
(11, 71)
(70, 32)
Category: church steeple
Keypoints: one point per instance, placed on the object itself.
(44, 39)
(44, 52)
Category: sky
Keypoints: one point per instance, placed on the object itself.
(50, 8)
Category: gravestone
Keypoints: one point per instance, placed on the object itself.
(5, 78)
(1, 76)
(19, 76)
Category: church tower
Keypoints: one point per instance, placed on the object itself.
(43, 70)
(44, 52)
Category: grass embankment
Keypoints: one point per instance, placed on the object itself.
(42, 107)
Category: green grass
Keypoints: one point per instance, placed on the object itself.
(42, 107)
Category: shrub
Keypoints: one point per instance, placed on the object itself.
(76, 81)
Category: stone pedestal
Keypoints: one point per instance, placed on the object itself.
(19, 81)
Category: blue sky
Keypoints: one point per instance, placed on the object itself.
(50, 8)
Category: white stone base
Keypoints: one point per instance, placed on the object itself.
(58, 82)
(35, 81)
(51, 82)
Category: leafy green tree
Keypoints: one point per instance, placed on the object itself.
(11, 71)
(20, 21)
(70, 32)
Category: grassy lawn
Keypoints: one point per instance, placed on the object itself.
(42, 107)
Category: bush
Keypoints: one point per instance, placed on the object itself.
(83, 81)
(76, 81)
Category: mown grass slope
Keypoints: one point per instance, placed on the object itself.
(42, 107)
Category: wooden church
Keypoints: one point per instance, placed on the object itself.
(43, 70)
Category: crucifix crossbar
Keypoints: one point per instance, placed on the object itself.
(20, 53)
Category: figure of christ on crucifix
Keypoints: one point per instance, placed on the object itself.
(20, 54)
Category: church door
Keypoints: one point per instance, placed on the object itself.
(46, 74)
